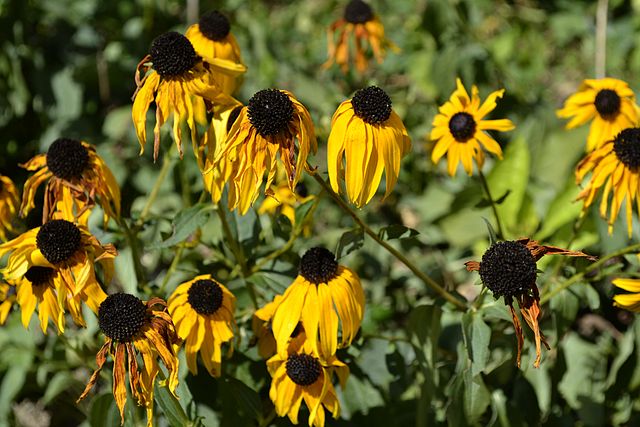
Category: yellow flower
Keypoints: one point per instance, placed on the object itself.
(202, 310)
(509, 269)
(7, 299)
(610, 103)
(372, 138)
(173, 75)
(38, 289)
(298, 374)
(616, 166)
(630, 301)
(263, 333)
(8, 206)
(283, 201)
(365, 26)
(72, 252)
(323, 297)
(266, 129)
(459, 129)
(136, 331)
(212, 40)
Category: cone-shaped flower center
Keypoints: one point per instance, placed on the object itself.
(462, 126)
(626, 145)
(205, 296)
(39, 275)
(372, 105)
(67, 158)
(214, 25)
(318, 265)
(172, 54)
(303, 369)
(607, 103)
(58, 240)
(358, 12)
(270, 111)
(233, 116)
(508, 269)
(121, 316)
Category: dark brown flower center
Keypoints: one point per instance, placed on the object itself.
(270, 111)
(372, 105)
(172, 54)
(121, 316)
(214, 25)
(39, 276)
(358, 12)
(626, 146)
(508, 269)
(205, 296)
(318, 265)
(607, 103)
(303, 369)
(67, 158)
(462, 126)
(58, 240)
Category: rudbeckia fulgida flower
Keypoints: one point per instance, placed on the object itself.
(630, 300)
(299, 374)
(212, 40)
(77, 178)
(609, 103)
(615, 168)
(37, 289)
(324, 297)
(138, 333)
(459, 129)
(371, 138)
(173, 74)
(508, 269)
(202, 310)
(72, 252)
(7, 299)
(360, 23)
(263, 332)
(274, 125)
(9, 201)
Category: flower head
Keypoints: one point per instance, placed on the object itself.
(631, 300)
(372, 138)
(173, 77)
(609, 103)
(324, 296)
(37, 289)
(202, 310)
(263, 331)
(136, 328)
(360, 21)
(273, 125)
(212, 40)
(508, 269)
(283, 201)
(9, 201)
(77, 178)
(616, 166)
(459, 129)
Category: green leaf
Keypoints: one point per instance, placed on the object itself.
(303, 210)
(248, 401)
(477, 335)
(476, 397)
(493, 238)
(562, 210)
(59, 383)
(175, 414)
(11, 384)
(397, 231)
(104, 412)
(350, 241)
(486, 202)
(186, 222)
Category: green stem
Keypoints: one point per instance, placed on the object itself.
(432, 284)
(132, 239)
(574, 233)
(579, 276)
(494, 207)
(172, 268)
(167, 164)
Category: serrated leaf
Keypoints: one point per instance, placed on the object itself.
(350, 241)
(186, 222)
(397, 231)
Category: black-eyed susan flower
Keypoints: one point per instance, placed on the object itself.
(9, 201)
(173, 74)
(77, 178)
(616, 166)
(136, 332)
(38, 289)
(266, 129)
(610, 103)
(508, 269)
(212, 40)
(297, 375)
(459, 129)
(283, 201)
(263, 333)
(68, 249)
(629, 301)
(371, 137)
(324, 297)
(202, 310)
(7, 299)
(360, 21)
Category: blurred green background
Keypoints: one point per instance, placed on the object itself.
(66, 69)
